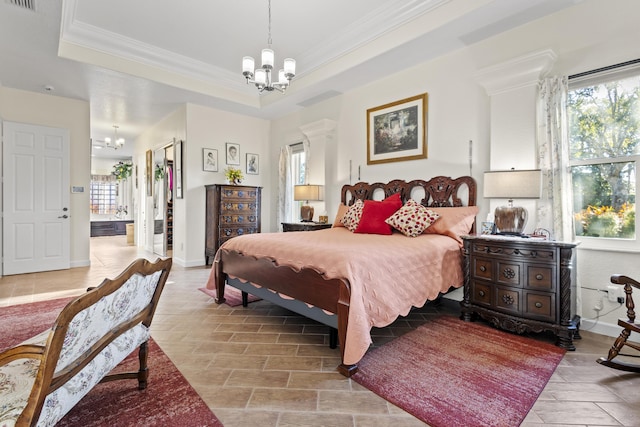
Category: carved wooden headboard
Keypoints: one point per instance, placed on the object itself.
(441, 191)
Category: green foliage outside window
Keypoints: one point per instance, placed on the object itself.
(604, 139)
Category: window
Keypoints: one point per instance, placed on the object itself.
(604, 150)
(298, 171)
(103, 194)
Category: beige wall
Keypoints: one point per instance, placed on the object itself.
(211, 128)
(54, 111)
(460, 110)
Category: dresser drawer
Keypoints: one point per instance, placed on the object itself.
(541, 277)
(238, 206)
(232, 192)
(483, 268)
(482, 293)
(540, 306)
(508, 299)
(249, 219)
(509, 273)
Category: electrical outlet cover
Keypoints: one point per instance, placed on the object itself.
(612, 293)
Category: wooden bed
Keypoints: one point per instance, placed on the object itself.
(328, 300)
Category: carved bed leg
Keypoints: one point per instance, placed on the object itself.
(143, 373)
(343, 319)
(221, 280)
(347, 370)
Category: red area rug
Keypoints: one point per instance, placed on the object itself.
(232, 296)
(452, 373)
(168, 400)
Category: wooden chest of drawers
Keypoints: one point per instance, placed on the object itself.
(231, 210)
(521, 285)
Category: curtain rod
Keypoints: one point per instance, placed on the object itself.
(608, 68)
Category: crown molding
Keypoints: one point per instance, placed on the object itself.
(520, 72)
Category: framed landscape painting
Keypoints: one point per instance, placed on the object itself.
(397, 131)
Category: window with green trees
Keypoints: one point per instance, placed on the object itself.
(604, 141)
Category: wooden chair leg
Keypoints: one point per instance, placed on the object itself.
(143, 373)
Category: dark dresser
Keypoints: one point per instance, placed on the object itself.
(522, 285)
(231, 210)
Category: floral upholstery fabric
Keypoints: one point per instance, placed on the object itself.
(85, 329)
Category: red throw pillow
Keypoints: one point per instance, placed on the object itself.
(375, 213)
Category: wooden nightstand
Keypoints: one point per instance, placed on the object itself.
(304, 226)
(521, 285)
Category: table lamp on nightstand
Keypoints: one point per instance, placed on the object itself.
(306, 193)
(512, 184)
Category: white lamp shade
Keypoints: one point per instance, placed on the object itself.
(267, 57)
(290, 66)
(261, 76)
(513, 184)
(308, 192)
(282, 78)
(248, 64)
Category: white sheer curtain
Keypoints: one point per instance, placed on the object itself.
(555, 205)
(285, 186)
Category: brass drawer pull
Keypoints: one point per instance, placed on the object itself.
(539, 277)
(483, 268)
(481, 293)
(538, 304)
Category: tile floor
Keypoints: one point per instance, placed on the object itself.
(265, 366)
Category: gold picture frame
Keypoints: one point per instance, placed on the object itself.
(397, 131)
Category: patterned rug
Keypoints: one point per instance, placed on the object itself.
(168, 400)
(451, 373)
(232, 296)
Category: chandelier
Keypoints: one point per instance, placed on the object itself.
(116, 142)
(263, 76)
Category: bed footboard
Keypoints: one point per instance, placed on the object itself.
(332, 295)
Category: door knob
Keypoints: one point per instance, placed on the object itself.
(64, 216)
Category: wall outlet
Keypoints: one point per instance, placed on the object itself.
(612, 293)
(598, 305)
(620, 300)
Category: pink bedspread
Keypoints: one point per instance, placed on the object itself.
(388, 274)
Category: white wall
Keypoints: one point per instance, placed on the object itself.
(460, 110)
(211, 128)
(72, 114)
(163, 133)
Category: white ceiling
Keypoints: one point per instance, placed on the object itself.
(135, 61)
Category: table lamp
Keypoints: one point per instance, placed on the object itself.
(305, 193)
(512, 184)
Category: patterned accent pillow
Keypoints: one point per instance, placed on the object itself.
(412, 219)
(353, 215)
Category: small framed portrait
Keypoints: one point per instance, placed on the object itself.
(209, 160)
(488, 228)
(232, 153)
(253, 164)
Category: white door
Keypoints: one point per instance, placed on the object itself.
(36, 224)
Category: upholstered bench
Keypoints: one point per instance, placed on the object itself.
(45, 376)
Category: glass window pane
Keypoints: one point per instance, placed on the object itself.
(604, 199)
(604, 120)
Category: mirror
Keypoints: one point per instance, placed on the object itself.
(159, 202)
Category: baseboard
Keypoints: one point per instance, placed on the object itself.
(598, 327)
(80, 263)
